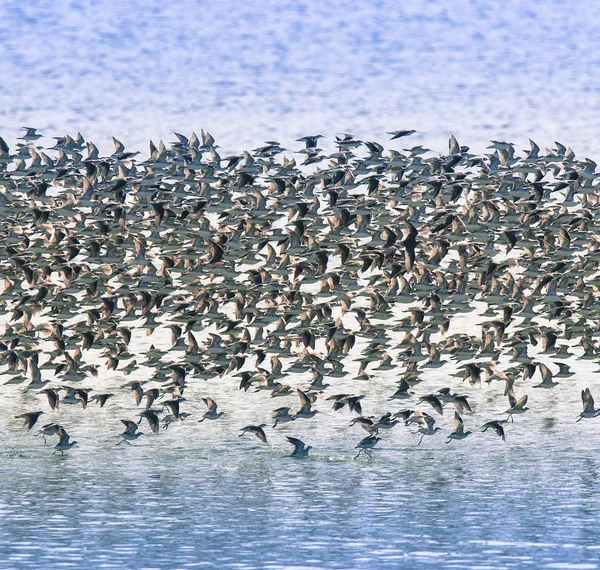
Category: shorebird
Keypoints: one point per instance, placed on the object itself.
(258, 431)
(434, 401)
(152, 418)
(173, 405)
(282, 416)
(211, 413)
(547, 376)
(459, 429)
(496, 425)
(588, 405)
(101, 398)
(426, 426)
(276, 258)
(30, 418)
(130, 434)
(368, 424)
(401, 133)
(30, 134)
(74, 396)
(516, 406)
(300, 449)
(386, 421)
(403, 391)
(53, 398)
(365, 444)
(49, 429)
(305, 410)
(64, 443)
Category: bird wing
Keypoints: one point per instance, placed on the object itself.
(437, 405)
(430, 421)
(297, 443)
(588, 401)
(500, 431)
(304, 400)
(512, 400)
(260, 433)
(463, 402)
(458, 423)
(129, 425)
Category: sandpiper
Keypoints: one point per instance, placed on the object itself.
(496, 425)
(30, 418)
(258, 431)
(130, 434)
(211, 413)
(300, 449)
(588, 405)
(64, 443)
(459, 429)
(365, 444)
(49, 429)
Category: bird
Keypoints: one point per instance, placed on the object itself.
(300, 449)
(282, 416)
(130, 434)
(365, 444)
(401, 133)
(211, 413)
(290, 269)
(152, 418)
(30, 418)
(434, 401)
(64, 443)
(53, 398)
(258, 431)
(496, 425)
(426, 425)
(101, 398)
(49, 429)
(30, 134)
(305, 410)
(588, 405)
(516, 406)
(547, 381)
(459, 429)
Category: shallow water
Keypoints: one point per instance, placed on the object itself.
(481, 506)
(198, 495)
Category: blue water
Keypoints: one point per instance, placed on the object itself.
(257, 70)
(198, 495)
(475, 507)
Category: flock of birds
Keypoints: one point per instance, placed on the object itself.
(274, 266)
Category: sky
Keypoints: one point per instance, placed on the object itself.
(263, 70)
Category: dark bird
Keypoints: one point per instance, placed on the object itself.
(588, 405)
(300, 449)
(64, 443)
(30, 418)
(131, 432)
(496, 425)
(258, 431)
(152, 418)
